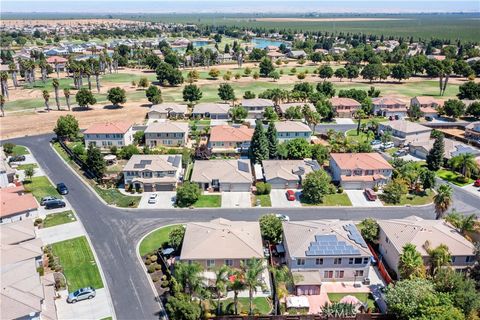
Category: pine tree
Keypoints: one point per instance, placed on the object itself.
(259, 144)
(95, 161)
(272, 140)
(436, 154)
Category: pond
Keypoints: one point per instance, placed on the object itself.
(262, 42)
(201, 43)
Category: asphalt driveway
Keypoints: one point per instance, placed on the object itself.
(279, 199)
(165, 200)
(236, 200)
(358, 199)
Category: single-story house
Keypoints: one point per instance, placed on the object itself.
(452, 148)
(225, 138)
(283, 107)
(153, 172)
(167, 111)
(288, 130)
(286, 174)
(16, 205)
(168, 133)
(223, 175)
(360, 170)
(256, 106)
(273, 55)
(345, 107)
(389, 107)
(323, 251)
(472, 131)
(428, 105)
(211, 110)
(58, 63)
(221, 242)
(424, 234)
(405, 132)
(108, 134)
(296, 54)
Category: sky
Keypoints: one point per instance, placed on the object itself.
(244, 6)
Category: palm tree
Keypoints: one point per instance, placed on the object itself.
(2, 105)
(189, 277)
(465, 163)
(359, 115)
(46, 97)
(66, 93)
(56, 84)
(4, 83)
(410, 265)
(12, 67)
(43, 69)
(443, 199)
(439, 257)
(221, 280)
(463, 223)
(283, 278)
(252, 270)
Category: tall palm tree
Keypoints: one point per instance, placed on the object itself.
(4, 83)
(221, 280)
(465, 163)
(237, 285)
(43, 69)
(359, 115)
(46, 97)
(66, 93)
(439, 257)
(411, 264)
(2, 105)
(253, 269)
(56, 84)
(443, 199)
(12, 67)
(189, 277)
(462, 223)
(283, 279)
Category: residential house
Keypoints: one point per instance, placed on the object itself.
(223, 175)
(296, 54)
(211, 110)
(390, 107)
(168, 133)
(345, 107)
(472, 131)
(288, 130)
(428, 105)
(283, 107)
(221, 242)
(57, 63)
(360, 170)
(7, 174)
(227, 139)
(452, 148)
(108, 134)
(424, 234)
(405, 132)
(274, 55)
(16, 205)
(167, 111)
(287, 174)
(324, 250)
(256, 107)
(153, 172)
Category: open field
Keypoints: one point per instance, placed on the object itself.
(325, 19)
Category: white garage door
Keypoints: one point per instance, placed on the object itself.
(240, 187)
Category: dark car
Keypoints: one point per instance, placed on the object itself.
(46, 199)
(54, 204)
(62, 188)
(16, 159)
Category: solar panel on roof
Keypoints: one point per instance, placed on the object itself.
(243, 166)
(354, 235)
(177, 161)
(328, 245)
(145, 162)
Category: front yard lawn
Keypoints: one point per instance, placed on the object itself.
(155, 240)
(59, 218)
(78, 262)
(20, 151)
(208, 201)
(41, 187)
(114, 197)
(414, 199)
(25, 166)
(265, 200)
(332, 200)
(261, 305)
(452, 177)
(362, 296)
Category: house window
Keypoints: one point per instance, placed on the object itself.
(328, 274)
(337, 261)
(318, 261)
(339, 273)
(453, 259)
(210, 263)
(365, 260)
(300, 262)
(229, 262)
(350, 261)
(358, 261)
(358, 273)
(467, 259)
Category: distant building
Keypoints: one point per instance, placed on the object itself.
(167, 111)
(405, 132)
(389, 107)
(256, 107)
(345, 107)
(226, 139)
(472, 131)
(211, 110)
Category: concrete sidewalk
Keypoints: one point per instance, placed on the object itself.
(61, 232)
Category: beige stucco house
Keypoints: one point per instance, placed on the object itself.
(285, 174)
(405, 132)
(168, 134)
(223, 175)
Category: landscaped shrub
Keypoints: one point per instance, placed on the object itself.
(153, 258)
(263, 188)
(164, 284)
(155, 279)
(37, 221)
(151, 268)
(148, 262)
(158, 267)
(375, 188)
(340, 190)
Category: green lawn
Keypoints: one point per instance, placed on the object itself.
(25, 166)
(265, 200)
(261, 305)
(208, 201)
(413, 199)
(452, 177)
(41, 187)
(155, 239)
(332, 200)
(78, 263)
(364, 297)
(59, 218)
(353, 136)
(20, 151)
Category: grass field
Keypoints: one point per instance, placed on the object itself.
(78, 263)
(25, 166)
(265, 200)
(260, 305)
(208, 201)
(452, 177)
(413, 199)
(155, 240)
(364, 297)
(20, 151)
(332, 200)
(59, 218)
(41, 187)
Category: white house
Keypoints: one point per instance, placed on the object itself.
(109, 134)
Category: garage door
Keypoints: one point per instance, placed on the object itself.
(164, 187)
(147, 188)
(353, 185)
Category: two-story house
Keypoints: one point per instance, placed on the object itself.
(168, 133)
(288, 130)
(256, 107)
(324, 250)
(424, 234)
(345, 107)
(360, 170)
(405, 132)
(153, 172)
(109, 134)
(390, 107)
(428, 105)
(227, 139)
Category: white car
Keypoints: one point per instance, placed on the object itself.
(388, 145)
(153, 198)
(282, 217)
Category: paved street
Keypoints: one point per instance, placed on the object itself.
(115, 232)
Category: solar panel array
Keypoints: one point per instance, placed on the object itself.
(354, 235)
(243, 166)
(328, 245)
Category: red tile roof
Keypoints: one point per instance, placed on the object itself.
(364, 161)
(346, 102)
(56, 59)
(231, 134)
(109, 127)
(14, 201)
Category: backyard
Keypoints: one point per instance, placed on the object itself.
(362, 296)
(261, 305)
(155, 240)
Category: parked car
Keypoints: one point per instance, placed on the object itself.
(400, 153)
(428, 118)
(388, 145)
(62, 188)
(375, 142)
(370, 194)
(282, 217)
(46, 199)
(153, 198)
(476, 183)
(290, 195)
(16, 159)
(81, 294)
(54, 204)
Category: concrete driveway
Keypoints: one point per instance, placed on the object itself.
(358, 199)
(279, 198)
(96, 308)
(236, 200)
(165, 200)
(344, 121)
